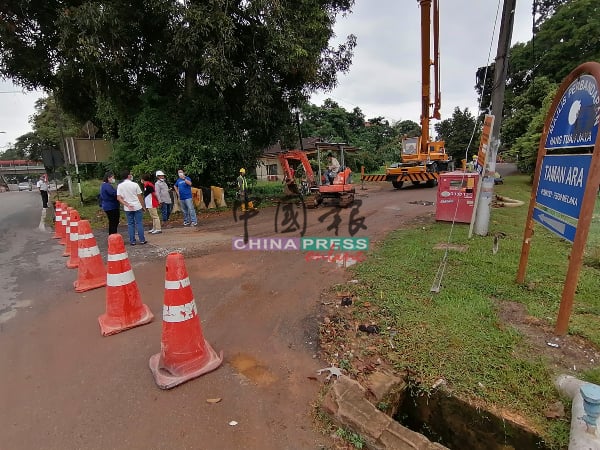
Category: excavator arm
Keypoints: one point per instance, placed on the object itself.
(295, 155)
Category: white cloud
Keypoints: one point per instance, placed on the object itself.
(385, 76)
(16, 106)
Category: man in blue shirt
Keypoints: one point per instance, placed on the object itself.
(183, 187)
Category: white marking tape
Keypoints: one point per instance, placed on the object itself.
(74, 224)
(117, 257)
(85, 236)
(177, 284)
(88, 252)
(74, 236)
(119, 279)
(180, 313)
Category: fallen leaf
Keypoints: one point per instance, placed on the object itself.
(213, 400)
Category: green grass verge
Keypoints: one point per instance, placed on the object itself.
(457, 334)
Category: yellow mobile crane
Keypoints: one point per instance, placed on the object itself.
(422, 159)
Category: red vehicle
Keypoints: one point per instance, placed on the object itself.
(340, 192)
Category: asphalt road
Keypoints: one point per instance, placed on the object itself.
(64, 386)
(23, 251)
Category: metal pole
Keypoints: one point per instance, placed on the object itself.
(482, 219)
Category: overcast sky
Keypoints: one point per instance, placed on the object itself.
(385, 76)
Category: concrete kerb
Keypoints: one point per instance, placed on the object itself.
(347, 405)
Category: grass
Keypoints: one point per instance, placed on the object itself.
(456, 334)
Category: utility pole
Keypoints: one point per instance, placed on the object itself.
(482, 218)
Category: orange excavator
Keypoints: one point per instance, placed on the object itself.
(423, 159)
(340, 192)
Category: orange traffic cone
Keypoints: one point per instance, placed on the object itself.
(72, 247)
(124, 307)
(91, 273)
(64, 238)
(57, 219)
(185, 354)
(72, 222)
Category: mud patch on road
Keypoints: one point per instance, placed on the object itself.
(252, 369)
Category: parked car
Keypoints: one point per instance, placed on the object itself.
(25, 186)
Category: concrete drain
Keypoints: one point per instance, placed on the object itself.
(459, 426)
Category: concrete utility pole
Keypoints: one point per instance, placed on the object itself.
(482, 218)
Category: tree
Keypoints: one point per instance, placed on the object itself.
(235, 66)
(459, 133)
(520, 111)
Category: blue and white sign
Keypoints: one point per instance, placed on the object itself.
(575, 120)
(557, 226)
(562, 183)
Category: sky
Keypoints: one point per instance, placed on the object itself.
(385, 76)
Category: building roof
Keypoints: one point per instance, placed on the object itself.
(310, 145)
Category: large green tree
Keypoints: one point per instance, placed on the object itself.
(460, 132)
(221, 73)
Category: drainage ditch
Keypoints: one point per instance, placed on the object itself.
(460, 426)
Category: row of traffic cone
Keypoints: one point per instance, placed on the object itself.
(185, 354)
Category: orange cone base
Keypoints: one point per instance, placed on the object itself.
(113, 325)
(89, 285)
(165, 380)
(71, 265)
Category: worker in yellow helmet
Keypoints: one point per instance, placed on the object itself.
(242, 184)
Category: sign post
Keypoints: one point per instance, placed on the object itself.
(565, 185)
(480, 163)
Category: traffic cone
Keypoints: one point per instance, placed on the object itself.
(71, 249)
(91, 273)
(57, 219)
(124, 307)
(185, 354)
(64, 238)
(72, 223)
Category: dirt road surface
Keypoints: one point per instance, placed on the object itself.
(64, 386)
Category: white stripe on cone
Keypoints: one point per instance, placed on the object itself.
(177, 284)
(180, 313)
(119, 279)
(117, 257)
(88, 252)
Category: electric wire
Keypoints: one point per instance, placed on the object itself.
(439, 276)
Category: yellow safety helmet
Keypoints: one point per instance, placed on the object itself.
(242, 170)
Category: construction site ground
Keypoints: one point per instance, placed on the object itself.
(63, 385)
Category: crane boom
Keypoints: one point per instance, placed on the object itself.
(422, 159)
(426, 63)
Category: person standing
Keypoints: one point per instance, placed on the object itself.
(152, 203)
(110, 204)
(129, 195)
(43, 188)
(183, 187)
(242, 185)
(164, 197)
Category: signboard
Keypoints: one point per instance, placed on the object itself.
(486, 132)
(562, 183)
(566, 185)
(575, 120)
(558, 226)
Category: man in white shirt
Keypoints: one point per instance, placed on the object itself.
(129, 194)
(332, 169)
(43, 187)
